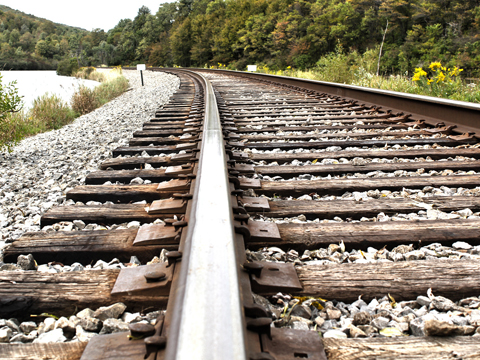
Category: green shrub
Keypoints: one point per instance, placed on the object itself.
(10, 103)
(84, 101)
(11, 130)
(67, 67)
(50, 112)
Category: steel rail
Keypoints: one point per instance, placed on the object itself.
(207, 302)
(465, 115)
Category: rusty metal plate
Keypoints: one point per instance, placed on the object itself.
(167, 206)
(177, 170)
(239, 156)
(115, 347)
(255, 203)
(132, 280)
(174, 185)
(276, 277)
(186, 146)
(289, 344)
(156, 234)
(263, 231)
(442, 130)
(464, 136)
(246, 183)
(244, 168)
(417, 123)
(236, 144)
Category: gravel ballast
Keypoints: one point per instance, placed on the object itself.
(41, 169)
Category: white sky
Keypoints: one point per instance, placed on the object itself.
(85, 14)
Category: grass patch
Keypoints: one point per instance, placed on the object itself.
(50, 112)
(109, 90)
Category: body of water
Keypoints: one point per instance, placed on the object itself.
(32, 84)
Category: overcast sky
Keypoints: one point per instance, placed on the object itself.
(85, 14)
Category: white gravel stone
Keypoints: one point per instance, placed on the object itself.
(5, 334)
(49, 324)
(82, 335)
(335, 334)
(461, 245)
(54, 336)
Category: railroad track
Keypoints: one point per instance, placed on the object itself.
(276, 210)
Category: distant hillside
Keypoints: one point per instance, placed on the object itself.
(29, 42)
(4, 8)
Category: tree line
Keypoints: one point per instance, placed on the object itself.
(275, 33)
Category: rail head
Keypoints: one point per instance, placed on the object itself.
(207, 310)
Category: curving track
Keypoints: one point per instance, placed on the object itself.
(255, 162)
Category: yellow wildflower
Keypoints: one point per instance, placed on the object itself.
(419, 72)
(435, 65)
(455, 71)
(440, 77)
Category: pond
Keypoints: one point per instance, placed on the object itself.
(32, 84)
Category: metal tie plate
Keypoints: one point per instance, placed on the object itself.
(174, 185)
(287, 344)
(122, 345)
(245, 168)
(167, 206)
(275, 277)
(181, 157)
(246, 183)
(263, 231)
(186, 146)
(115, 347)
(442, 130)
(133, 280)
(156, 234)
(177, 170)
(255, 203)
(239, 156)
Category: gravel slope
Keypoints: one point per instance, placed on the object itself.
(42, 168)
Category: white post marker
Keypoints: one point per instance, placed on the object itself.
(251, 67)
(141, 67)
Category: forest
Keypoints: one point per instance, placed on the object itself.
(277, 34)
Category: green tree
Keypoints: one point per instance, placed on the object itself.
(14, 38)
(181, 42)
(46, 48)
(27, 42)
